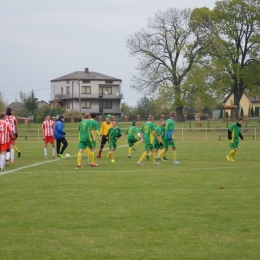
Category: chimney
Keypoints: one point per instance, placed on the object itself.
(86, 70)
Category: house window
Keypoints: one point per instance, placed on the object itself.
(86, 81)
(86, 104)
(68, 104)
(86, 90)
(67, 89)
(105, 90)
(61, 90)
(106, 104)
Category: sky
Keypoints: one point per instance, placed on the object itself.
(45, 39)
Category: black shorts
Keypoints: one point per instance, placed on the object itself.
(104, 139)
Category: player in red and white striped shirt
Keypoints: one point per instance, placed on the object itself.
(48, 131)
(5, 136)
(13, 122)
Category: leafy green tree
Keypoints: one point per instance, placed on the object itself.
(3, 103)
(233, 42)
(72, 114)
(125, 109)
(166, 50)
(30, 102)
(144, 107)
(23, 112)
(45, 110)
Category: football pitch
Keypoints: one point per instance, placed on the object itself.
(203, 208)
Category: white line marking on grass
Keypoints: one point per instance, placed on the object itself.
(40, 163)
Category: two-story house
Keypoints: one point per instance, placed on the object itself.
(87, 91)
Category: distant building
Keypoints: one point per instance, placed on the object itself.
(42, 103)
(88, 91)
(15, 106)
(245, 103)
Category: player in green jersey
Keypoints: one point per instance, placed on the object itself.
(86, 139)
(114, 133)
(149, 134)
(234, 131)
(158, 143)
(168, 139)
(133, 136)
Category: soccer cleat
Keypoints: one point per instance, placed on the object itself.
(19, 154)
(61, 156)
(148, 157)
(79, 166)
(156, 163)
(175, 162)
(138, 163)
(228, 158)
(133, 147)
(94, 165)
(129, 156)
(112, 160)
(164, 159)
(12, 162)
(53, 157)
(45, 157)
(232, 159)
(98, 156)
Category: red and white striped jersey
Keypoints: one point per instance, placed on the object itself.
(13, 122)
(5, 132)
(48, 127)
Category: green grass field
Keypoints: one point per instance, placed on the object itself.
(204, 208)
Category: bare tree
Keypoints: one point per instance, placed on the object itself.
(166, 51)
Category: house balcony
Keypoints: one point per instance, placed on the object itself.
(89, 96)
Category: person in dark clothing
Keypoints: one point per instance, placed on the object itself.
(59, 135)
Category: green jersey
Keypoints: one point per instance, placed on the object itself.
(147, 129)
(235, 130)
(95, 126)
(132, 132)
(158, 131)
(113, 133)
(85, 128)
(168, 129)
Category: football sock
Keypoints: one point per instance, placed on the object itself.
(91, 157)
(45, 152)
(86, 151)
(130, 150)
(143, 156)
(111, 155)
(174, 156)
(79, 158)
(161, 154)
(2, 161)
(16, 149)
(153, 157)
(7, 156)
(53, 151)
(99, 152)
(12, 154)
(232, 153)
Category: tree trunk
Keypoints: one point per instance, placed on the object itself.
(179, 115)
